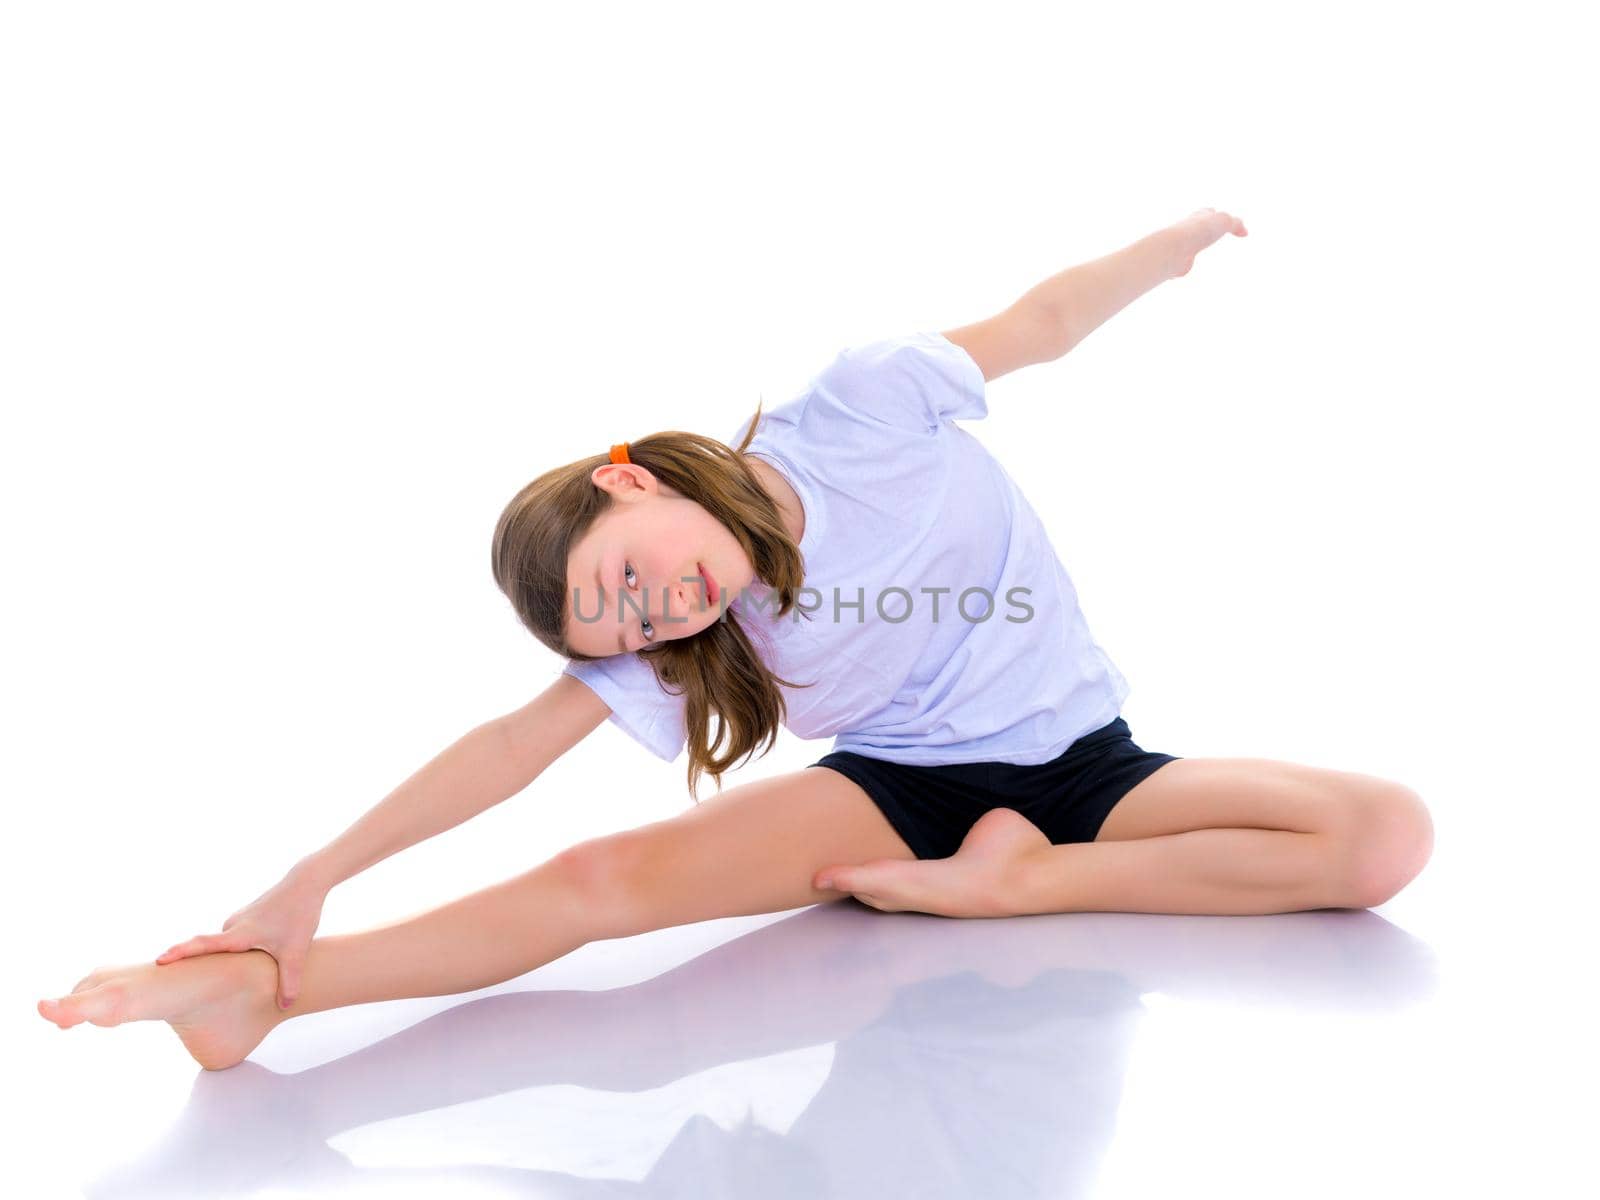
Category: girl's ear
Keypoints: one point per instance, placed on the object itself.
(618, 478)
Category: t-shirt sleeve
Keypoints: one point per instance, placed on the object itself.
(915, 381)
(640, 706)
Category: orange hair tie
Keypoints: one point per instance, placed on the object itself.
(619, 453)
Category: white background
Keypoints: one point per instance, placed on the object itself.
(294, 298)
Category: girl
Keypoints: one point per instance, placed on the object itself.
(854, 565)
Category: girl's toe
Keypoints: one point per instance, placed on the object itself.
(56, 1010)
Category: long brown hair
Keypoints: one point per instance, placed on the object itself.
(718, 671)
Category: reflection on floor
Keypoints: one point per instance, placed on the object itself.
(839, 1051)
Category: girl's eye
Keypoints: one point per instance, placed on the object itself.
(645, 627)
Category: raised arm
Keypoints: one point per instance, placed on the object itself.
(1054, 316)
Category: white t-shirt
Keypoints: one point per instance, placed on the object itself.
(939, 625)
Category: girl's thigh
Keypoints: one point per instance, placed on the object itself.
(753, 848)
(1257, 793)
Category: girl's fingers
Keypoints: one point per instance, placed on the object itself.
(289, 977)
(181, 950)
(204, 944)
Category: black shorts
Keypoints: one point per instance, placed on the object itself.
(1068, 798)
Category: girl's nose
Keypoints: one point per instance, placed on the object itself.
(666, 605)
(683, 599)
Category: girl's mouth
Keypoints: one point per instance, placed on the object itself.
(712, 593)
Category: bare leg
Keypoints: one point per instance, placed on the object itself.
(752, 849)
(475, 942)
(1006, 867)
(1227, 836)
(1229, 872)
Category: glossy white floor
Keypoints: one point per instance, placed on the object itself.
(296, 297)
(839, 1051)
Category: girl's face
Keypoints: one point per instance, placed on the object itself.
(635, 577)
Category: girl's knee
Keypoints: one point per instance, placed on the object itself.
(1393, 845)
(605, 878)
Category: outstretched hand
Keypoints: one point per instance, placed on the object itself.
(1197, 231)
(281, 921)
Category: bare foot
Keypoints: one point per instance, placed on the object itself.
(220, 1005)
(973, 882)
